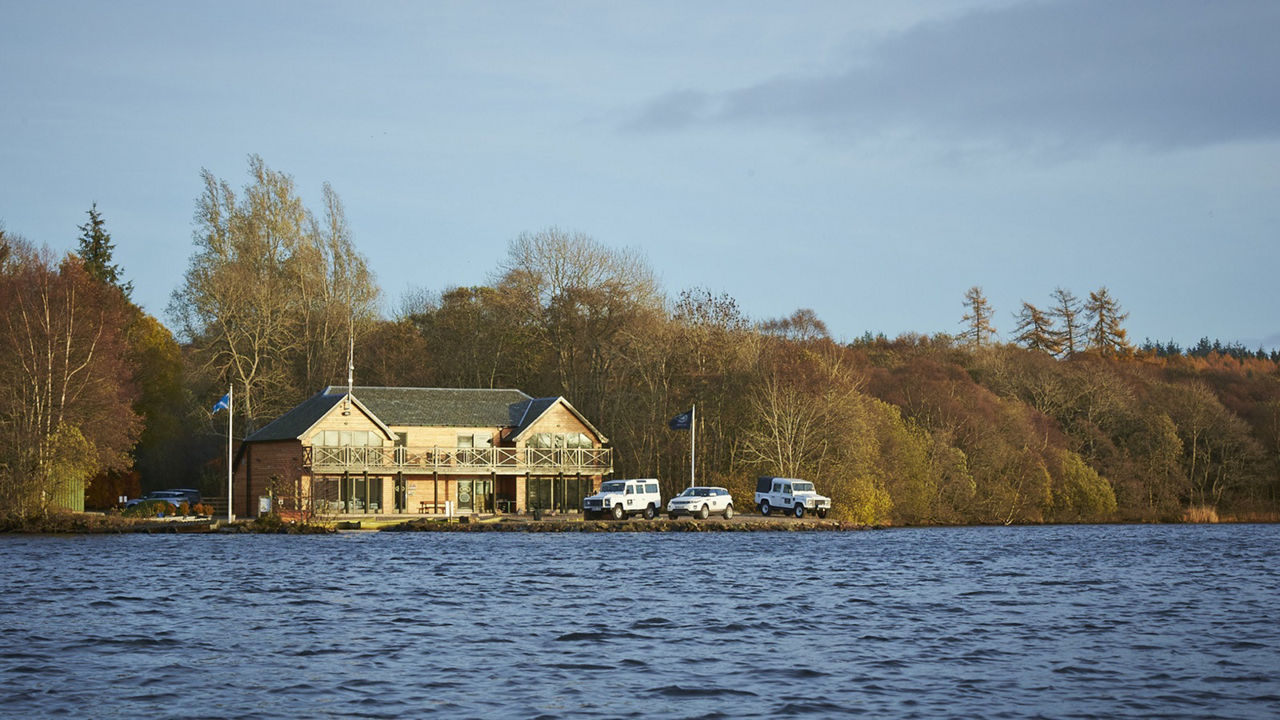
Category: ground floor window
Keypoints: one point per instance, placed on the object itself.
(556, 493)
(347, 495)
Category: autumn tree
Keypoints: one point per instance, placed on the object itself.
(578, 297)
(271, 294)
(801, 326)
(475, 336)
(787, 433)
(1066, 311)
(1106, 333)
(977, 318)
(65, 399)
(1035, 330)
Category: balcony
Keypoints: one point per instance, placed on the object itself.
(457, 461)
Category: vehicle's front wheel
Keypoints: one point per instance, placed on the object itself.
(799, 510)
(704, 513)
(822, 512)
(728, 512)
(650, 513)
(764, 508)
(618, 513)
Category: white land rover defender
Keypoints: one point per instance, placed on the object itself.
(789, 495)
(621, 498)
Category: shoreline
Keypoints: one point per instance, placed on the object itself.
(102, 524)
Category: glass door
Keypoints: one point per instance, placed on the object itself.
(466, 495)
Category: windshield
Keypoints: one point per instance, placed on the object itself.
(696, 492)
(613, 487)
(802, 487)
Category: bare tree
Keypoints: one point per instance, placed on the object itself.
(788, 432)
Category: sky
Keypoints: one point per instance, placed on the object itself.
(869, 160)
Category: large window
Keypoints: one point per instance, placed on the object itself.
(347, 495)
(347, 438)
(563, 494)
(559, 440)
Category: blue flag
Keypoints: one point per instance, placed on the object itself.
(223, 404)
(682, 421)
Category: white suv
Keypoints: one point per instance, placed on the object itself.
(701, 502)
(620, 498)
(790, 496)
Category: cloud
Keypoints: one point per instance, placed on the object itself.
(1152, 73)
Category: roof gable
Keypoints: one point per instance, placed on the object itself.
(535, 408)
(296, 423)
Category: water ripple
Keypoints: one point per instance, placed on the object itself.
(1114, 622)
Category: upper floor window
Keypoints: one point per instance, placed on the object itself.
(347, 438)
(559, 440)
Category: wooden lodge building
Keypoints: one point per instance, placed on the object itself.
(387, 451)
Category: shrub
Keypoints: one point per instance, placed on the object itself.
(1200, 514)
(146, 509)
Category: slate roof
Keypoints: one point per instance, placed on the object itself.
(438, 407)
(529, 412)
(292, 424)
(421, 407)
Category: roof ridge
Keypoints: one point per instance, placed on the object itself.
(406, 387)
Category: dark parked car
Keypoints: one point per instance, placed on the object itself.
(173, 497)
(193, 496)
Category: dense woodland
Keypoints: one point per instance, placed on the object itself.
(1067, 421)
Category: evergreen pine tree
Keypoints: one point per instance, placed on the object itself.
(96, 251)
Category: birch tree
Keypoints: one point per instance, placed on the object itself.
(271, 293)
(65, 396)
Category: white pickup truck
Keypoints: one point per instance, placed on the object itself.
(789, 495)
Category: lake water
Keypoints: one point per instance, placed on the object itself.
(1093, 621)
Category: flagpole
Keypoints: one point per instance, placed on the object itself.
(693, 442)
(231, 401)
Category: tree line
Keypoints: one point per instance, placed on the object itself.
(1066, 422)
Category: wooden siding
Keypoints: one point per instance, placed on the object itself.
(335, 420)
(259, 463)
(558, 419)
(446, 437)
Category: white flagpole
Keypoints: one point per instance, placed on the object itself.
(693, 441)
(231, 401)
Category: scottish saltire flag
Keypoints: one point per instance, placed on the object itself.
(682, 421)
(223, 404)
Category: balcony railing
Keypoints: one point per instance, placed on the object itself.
(382, 460)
